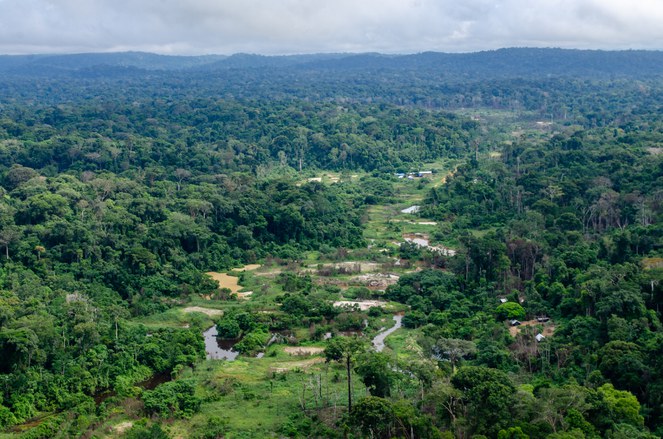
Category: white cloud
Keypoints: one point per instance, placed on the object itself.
(299, 26)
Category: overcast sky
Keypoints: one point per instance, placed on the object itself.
(308, 26)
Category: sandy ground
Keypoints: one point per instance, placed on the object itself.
(208, 311)
(226, 281)
(302, 350)
(363, 304)
(231, 282)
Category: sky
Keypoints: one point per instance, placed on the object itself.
(196, 27)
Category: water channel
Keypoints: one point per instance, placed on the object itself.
(220, 349)
(217, 348)
(378, 340)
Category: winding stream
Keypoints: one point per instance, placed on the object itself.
(378, 340)
(219, 349)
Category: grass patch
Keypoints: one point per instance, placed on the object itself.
(403, 344)
(256, 396)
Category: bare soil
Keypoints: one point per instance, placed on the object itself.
(226, 281)
(231, 282)
(363, 304)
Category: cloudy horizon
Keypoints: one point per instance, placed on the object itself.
(275, 27)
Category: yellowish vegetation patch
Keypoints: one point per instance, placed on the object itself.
(292, 365)
(303, 350)
(246, 295)
(122, 427)
(250, 267)
(652, 263)
(207, 311)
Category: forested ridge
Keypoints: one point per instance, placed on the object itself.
(126, 180)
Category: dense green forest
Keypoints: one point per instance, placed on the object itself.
(131, 184)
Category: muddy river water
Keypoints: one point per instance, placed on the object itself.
(220, 349)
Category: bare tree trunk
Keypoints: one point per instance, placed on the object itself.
(349, 384)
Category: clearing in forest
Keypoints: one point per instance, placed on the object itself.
(294, 365)
(303, 350)
(207, 311)
(548, 327)
(362, 304)
(249, 267)
(226, 281)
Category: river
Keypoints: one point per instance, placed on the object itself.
(218, 349)
(378, 340)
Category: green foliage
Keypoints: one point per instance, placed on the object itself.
(175, 399)
(512, 433)
(489, 393)
(376, 373)
(112, 208)
(628, 431)
(511, 311)
(372, 416)
(453, 350)
(228, 328)
(618, 407)
(414, 319)
(7, 418)
(343, 348)
(622, 363)
(253, 341)
(214, 428)
(141, 430)
(292, 282)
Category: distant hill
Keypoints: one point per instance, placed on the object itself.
(515, 79)
(512, 62)
(27, 64)
(515, 62)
